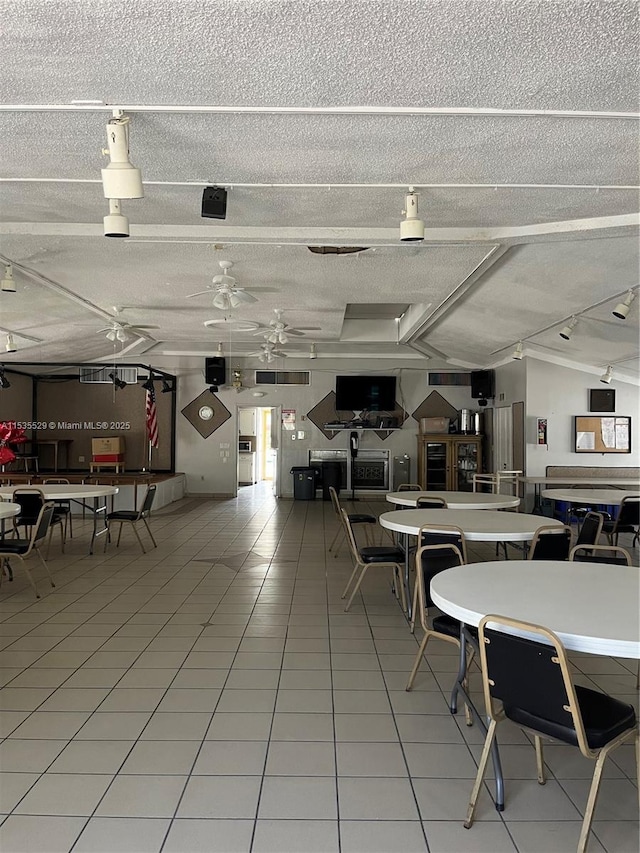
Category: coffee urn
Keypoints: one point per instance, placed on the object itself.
(465, 422)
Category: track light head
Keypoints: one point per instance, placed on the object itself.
(120, 179)
(607, 376)
(116, 223)
(567, 331)
(11, 344)
(148, 385)
(411, 227)
(517, 353)
(118, 383)
(212, 389)
(621, 310)
(166, 388)
(8, 285)
(312, 352)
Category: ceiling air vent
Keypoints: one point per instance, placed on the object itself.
(283, 377)
(336, 250)
(100, 375)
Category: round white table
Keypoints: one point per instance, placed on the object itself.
(73, 492)
(8, 510)
(566, 597)
(457, 500)
(486, 526)
(599, 497)
(592, 607)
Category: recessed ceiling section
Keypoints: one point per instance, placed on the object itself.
(375, 310)
(552, 282)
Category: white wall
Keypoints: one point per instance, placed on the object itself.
(558, 393)
(207, 471)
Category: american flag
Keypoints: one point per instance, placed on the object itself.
(152, 419)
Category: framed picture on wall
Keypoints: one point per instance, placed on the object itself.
(602, 399)
(594, 434)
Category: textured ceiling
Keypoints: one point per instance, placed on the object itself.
(499, 263)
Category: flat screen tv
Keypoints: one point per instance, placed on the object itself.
(366, 393)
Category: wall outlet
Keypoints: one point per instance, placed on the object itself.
(81, 459)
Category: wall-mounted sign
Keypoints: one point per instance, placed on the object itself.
(289, 419)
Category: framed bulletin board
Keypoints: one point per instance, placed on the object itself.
(594, 434)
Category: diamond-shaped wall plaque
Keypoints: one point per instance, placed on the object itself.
(206, 426)
(325, 412)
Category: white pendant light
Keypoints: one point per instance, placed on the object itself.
(567, 331)
(517, 353)
(411, 227)
(622, 308)
(120, 179)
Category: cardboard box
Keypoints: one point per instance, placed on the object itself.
(114, 444)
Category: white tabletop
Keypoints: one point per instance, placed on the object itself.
(53, 492)
(592, 607)
(587, 480)
(457, 500)
(8, 510)
(590, 496)
(487, 526)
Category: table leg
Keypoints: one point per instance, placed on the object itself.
(96, 511)
(458, 688)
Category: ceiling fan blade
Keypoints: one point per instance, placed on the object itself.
(137, 326)
(201, 293)
(243, 296)
(295, 332)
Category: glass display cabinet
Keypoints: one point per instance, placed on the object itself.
(448, 462)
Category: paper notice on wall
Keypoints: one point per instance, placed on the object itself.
(289, 419)
(608, 428)
(622, 434)
(586, 441)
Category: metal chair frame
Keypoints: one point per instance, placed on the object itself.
(132, 517)
(38, 533)
(496, 714)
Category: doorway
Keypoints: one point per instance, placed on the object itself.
(258, 447)
(503, 439)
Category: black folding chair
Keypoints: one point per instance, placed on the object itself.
(133, 517)
(550, 543)
(627, 521)
(529, 682)
(22, 548)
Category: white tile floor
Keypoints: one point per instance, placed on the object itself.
(212, 695)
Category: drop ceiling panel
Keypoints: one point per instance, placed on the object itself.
(443, 52)
(328, 149)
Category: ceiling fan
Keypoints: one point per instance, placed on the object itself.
(268, 353)
(278, 330)
(225, 291)
(118, 330)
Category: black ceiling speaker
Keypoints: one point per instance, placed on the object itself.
(214, 203)
(483, 384)
(215, 370)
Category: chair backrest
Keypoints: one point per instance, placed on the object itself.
(432, 559)
(443, 534)
(629, 511)
(550, 543)
(409, 487)
(430, 503)
(351, 539)
(591, 529)
(529, 674)
(147, 502)
(30, 501)
(601, 554)
(335, 501)
(41, 527)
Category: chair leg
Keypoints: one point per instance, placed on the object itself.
(414, 605)
(351, 579)
(357, 586)
(539, 760)
(333, 541)
(135, 530)
(418, 660)
(591, 801)
(146, 524)
(29, 577)
(119, 535)
(484, 758)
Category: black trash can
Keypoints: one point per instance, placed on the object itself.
(304, 483)
(331, 476)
